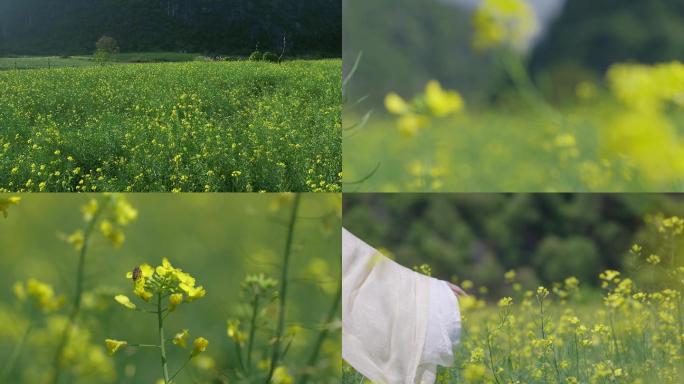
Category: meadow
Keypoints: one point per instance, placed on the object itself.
(172, 127)
(233, 248)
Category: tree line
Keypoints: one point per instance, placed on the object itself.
(544, 237)
(205, 26)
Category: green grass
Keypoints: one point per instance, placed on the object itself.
(8, 63)
(500, 149)
(37, 62)
(195, 126)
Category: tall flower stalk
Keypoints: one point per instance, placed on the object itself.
(107, 215)
(323, 334)
(162, 283)
(277, 348)
(78, 293)
(40, 298)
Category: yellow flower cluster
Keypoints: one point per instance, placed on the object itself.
(6, 202)
(83, 360)
(162, 280)
(648, 87)
(644, 133)
(113, 213)
(415, 115)
(233, 331)
(40, 294)
(510, 23)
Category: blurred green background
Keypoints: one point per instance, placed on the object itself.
(405, 43)
(544, 237)
(218, 238)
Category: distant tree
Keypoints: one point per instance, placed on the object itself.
(105, 47)
(597, 33)
(255, 56)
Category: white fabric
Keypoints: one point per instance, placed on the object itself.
(443, 331)
(397, 324)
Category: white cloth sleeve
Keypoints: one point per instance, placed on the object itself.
(443, 331)
(397, 325)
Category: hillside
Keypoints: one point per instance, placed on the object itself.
(49, 27)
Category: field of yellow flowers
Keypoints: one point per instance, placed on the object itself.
(628, 330)
(625, 135)
(152, 288)
(194, 126)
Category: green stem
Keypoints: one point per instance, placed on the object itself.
(283, 288)
(180, 369)
(491, 356)
(577, 362)
(616, 345)
(322, 336)
(517, 72)
(162, 340)
(238, 352)
(252, 330)
(543, 332)
(143, 345)
(78, 294)
(16, 352)
(680, 323)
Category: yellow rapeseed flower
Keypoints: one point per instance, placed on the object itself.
(114, 345)
(199, 345)
(174, 300)
(510, 23)
(395, 104)
(282, 376)
(440, 102)
(6, 202)
(410, 124)
(180, 339)
(125, 301)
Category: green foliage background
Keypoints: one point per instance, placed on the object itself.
(545, 237)
(218, 238)
(405, 43)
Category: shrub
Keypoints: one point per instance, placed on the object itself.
(270, 56)
(560, 258)
(255, 56)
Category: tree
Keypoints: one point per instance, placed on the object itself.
(105, 47)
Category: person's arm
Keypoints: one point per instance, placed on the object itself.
(456, 290)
